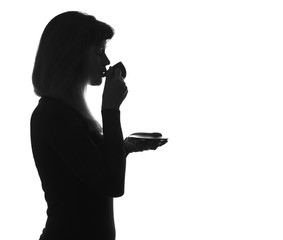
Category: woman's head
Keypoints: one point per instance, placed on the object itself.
(71, 50)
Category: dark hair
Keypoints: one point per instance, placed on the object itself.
(62, 52)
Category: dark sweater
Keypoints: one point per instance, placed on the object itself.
(80, 171)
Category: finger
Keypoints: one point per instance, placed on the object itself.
(147, 144)
(109, 75)
(162, 142)
(155, 145)
(139, 146)
(109, 72)
(143, 145)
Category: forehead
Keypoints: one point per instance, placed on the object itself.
(95, 47)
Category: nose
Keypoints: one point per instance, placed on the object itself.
(106, 61)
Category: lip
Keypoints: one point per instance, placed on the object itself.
(103, 73)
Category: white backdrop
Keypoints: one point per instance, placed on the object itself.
(207, 74)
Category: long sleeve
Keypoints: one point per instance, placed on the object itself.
(60, 132)
(114, 151)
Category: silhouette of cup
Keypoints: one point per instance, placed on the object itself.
(121, 66)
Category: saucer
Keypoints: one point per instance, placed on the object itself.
(148, 136)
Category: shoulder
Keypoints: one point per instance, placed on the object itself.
(52, 112)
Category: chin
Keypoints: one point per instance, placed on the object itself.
(96, 82)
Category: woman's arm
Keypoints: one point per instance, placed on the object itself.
(114, 151)
(101, 168)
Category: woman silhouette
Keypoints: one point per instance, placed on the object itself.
(81, 166)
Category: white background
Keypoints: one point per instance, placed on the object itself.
(207, 74)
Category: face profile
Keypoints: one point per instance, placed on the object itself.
(98, 61)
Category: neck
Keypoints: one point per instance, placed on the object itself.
(77, 101)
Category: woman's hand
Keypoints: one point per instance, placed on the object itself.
(139, 145)
(115, 90)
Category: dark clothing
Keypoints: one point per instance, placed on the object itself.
(80, 171)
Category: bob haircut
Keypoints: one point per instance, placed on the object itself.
(62, 52)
